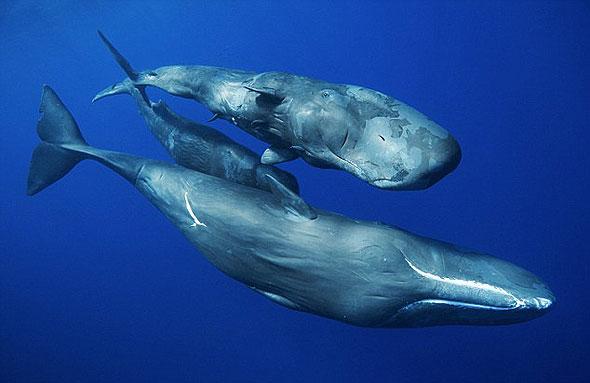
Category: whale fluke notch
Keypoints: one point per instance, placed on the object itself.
(271, 95)
(291, 202)
(122, 61)
(274, 155)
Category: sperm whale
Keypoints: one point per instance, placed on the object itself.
(361, 273)
(377, 138)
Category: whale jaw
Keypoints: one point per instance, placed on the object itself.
(436, 312)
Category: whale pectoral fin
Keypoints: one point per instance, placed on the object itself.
(274, 155)
(291, 202)
(278, 299)
(269, 95)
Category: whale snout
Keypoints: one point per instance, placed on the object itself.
(444, 159)
(417, 167)
(392, 153)
(537, 306)
(473, 289)
(533, 297)
(542, 303)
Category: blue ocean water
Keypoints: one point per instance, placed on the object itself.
(97, 286)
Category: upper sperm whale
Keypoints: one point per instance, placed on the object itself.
(377, 138)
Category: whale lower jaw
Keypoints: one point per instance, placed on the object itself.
(434, 312)
(460, 304)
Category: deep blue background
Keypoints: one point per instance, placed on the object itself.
(96, 285)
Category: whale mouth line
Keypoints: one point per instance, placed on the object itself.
(461, 304)
(433, 310)
(384, 181)
(360, 172)
(470, 284)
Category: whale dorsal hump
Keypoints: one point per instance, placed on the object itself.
(292, 203)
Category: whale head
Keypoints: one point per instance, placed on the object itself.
(172, 79)
(461, 287)
(378, 139)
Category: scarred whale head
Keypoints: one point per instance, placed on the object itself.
(375, 137)
(462, 287)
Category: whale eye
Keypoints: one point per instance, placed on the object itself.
(153, 74)
(326, 93)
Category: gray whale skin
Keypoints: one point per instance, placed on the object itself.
(378, 139)
(361, 273)
(204, 149)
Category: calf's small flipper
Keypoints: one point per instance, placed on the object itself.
(275, 155)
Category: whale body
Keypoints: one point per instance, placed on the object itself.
(377, 138)
(199, 147)
(361, 273)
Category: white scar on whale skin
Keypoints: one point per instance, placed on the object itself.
(466, 283)
(192, 213)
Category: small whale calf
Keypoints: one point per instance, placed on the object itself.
(199, 147)
(378, 139)
(361, 273)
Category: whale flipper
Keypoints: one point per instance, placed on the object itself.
(270, 95)
(291, 202)
(274, 155)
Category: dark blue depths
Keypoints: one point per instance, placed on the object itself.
(96, 285)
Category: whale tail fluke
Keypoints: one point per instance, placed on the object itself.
(122, 61)
(56, 127)
(127, 86)
(63, 146)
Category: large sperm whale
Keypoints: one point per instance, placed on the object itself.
(361, 273)
(199, 147)
(376, 138)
